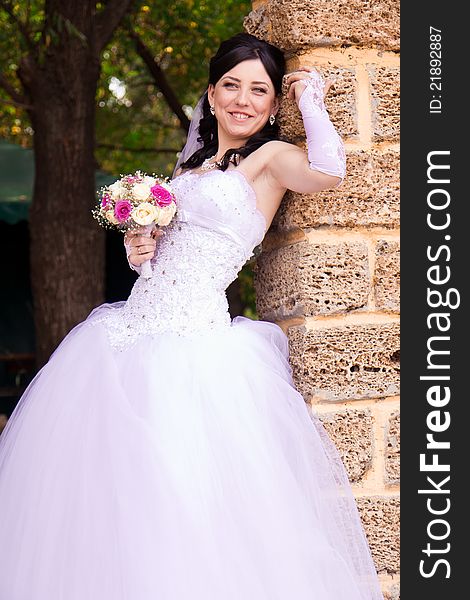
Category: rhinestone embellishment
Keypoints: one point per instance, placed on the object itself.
(201, 253)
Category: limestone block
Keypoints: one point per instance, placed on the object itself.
(387, 276)
(392, 592)
(340, 103)
(368, 197)
(351, 361)
(351, 432)
(385, 98)
(392, 455)
(312, 279)
(297, 24)
(257, 22)
(381, 519)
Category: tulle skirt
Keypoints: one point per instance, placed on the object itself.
(182, 468)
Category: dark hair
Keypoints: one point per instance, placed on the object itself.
(238, 48)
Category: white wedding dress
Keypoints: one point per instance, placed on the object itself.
(163, 453)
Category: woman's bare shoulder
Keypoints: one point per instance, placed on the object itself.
(275, 146)
(258, 160)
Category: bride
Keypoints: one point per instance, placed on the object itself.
(163, 452)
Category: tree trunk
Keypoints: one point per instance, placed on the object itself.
(67, 246)
(59, 77)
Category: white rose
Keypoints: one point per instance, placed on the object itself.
(166, 213)
(141, 191)
(111, 218)
(144, 214)
(150, 181)
(117, 189)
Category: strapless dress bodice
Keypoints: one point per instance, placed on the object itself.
(223, 201)
(214, 233)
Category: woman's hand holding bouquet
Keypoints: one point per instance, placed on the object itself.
(137, 204)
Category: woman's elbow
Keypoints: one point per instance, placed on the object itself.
(318, 182)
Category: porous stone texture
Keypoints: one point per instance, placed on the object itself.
(257, 22)
(351, 361)
(381, 519)
(298, 24)
(387, 276)
(385, 98)
(392, 454)
(340, 103)
(368, 197)
(351, 432)
(392, 592)
(308, 279)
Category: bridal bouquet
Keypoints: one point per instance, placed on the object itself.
(136, 201)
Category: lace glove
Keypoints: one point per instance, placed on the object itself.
(325, 147)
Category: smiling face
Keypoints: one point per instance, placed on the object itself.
(243, 99)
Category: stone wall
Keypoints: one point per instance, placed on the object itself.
(329, 271)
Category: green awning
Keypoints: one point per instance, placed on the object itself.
(16, 181)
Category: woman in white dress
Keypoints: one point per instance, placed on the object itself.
(163, 452)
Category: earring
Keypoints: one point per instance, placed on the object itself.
(212, 109)
(272, 118)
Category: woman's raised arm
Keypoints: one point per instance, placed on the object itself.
(325, 164)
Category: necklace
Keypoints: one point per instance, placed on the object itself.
(207, 165)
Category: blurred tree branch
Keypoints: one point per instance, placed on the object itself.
(160, 79)
(23, 28)
(109, 19)
(16, 98)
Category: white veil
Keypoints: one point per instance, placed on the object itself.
(192, 142)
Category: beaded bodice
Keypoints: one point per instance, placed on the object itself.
(214, 232)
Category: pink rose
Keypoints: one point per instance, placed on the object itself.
(122, 210)
(105, 200)
(161, 195)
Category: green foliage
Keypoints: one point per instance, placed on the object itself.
(247, 290)
(14, 123)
